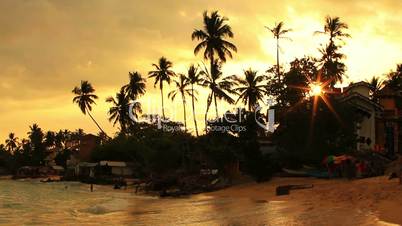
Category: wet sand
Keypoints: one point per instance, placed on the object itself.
(370, 201)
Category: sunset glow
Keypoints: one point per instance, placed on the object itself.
(316, 89)
(49, 46)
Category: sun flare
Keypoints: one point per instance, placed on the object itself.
(316, 89)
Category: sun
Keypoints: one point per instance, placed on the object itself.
(316, 89)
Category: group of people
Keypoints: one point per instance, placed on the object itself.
(345, 166)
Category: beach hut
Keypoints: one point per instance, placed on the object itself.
(117, 168)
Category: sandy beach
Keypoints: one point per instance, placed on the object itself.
(370, 201)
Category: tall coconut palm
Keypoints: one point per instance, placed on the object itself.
(194, 77)
(182, 88)
(11, 142)
(119, 111)
(332, 67)
(220, 87)
(250, 89)
(278, 32)
(162, 73)
(213, 37)
(376, 83)
(84, 98)
(334, 28)
(136, 86)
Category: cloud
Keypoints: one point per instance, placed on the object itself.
(47, 47)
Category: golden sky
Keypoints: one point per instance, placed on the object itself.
(47, 47)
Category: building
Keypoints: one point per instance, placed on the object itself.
(81, 151)
(87, 144)
(369, 112)
(389, 126)
(116, 168)
(380, 126)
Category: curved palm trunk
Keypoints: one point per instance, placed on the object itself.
(216, 107)
(277, 59)
(96, 123)
(192, 103)
(163, 106)
(209, 100)
(184, 109)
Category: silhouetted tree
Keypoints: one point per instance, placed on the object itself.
(50, 139)
(194, 77)
(250, 89)
(182, 88)
(278, 32)
(213, 37)
(395, 78)
(136, 86)
(119, 110)
(332, 67)
(37, 145)
(218, 86)
(162, 73)
(84, 98)
(11, 142)
(376, 83)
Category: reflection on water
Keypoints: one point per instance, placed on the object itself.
(35, 203)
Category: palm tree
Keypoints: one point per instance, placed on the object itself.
(11, 142)
(394, 79)
(35, 135)
(162, 73)
(181, 88)
(212, 38)
(36, 144)
(333, 68)
(334, 28)
(119, 111)
(376, 83)
(78, 134)
(250, 89)
(60, 140)
(85, 97)
(50, 139)
(135, 87)
(278, 32)
(218, 85)
(194, 77)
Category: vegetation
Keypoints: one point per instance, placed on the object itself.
(85, 98)
(250, 89)
(279, 32)
(308, 127)
(332, 68)
(376, 84)
(194, 77)
(182, 88)
(162, 73)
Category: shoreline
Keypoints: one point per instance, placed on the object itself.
(378, 197)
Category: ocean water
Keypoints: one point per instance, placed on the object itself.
(35, 203)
